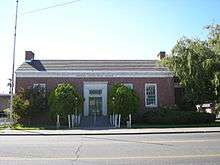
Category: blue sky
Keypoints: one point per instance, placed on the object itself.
(100, 29)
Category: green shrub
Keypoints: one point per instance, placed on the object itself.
(37, 97)
(20, 109)
(65, 100)
(168, 116)
(123, 100)
(29, 103)
(217, 108)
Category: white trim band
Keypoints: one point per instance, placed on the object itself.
(82, 74)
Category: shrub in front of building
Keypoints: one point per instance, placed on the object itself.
(174, 116)
(123, 100)
(64, 100)
(20, 109)
(29, 105)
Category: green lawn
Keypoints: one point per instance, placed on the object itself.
(3, 127)
(21, 127)
(38, 127)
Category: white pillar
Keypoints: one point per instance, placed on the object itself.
(69, 121)
(129, 120)
(76, 120)
(58, 121)
(73, 121)
(79, 119)
(116, 120)
(119, 120)
(110, 118)
(113, 119)
(76, 117)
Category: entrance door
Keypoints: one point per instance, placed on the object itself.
(95, 106)
(95, 94)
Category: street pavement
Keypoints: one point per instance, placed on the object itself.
(136, 149)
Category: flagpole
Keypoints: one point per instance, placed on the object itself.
(13, 63)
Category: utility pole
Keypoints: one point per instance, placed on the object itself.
(13, 63)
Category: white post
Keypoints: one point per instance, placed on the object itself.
(69, 121)
(72, 121)
(129, 120)
(110, 118)
(119, 120)
(58, 121)
(76, 118)
(113, 119)
(116, 118)
(79, 119)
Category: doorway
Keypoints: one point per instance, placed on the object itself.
(95, 106)
(95, 94)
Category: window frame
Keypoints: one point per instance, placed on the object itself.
(42, 85)
(155, 86)
(129, 84)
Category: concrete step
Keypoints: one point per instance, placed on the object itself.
(98, 121)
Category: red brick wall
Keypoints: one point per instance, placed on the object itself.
(165, 86)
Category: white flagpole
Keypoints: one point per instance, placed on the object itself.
(13, 63)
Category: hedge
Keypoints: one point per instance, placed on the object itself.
(166, 116)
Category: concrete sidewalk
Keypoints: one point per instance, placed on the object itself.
(106, 131)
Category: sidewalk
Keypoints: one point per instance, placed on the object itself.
(8, 132)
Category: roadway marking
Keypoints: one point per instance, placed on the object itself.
(109, 158)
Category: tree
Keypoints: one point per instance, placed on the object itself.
(194, 63)
(214, 43)
(37, 97)
(123, 100)
(214, 37)
(20, 109)
(29, 103)
(65, 100)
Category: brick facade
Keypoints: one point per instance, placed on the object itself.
(165, 86)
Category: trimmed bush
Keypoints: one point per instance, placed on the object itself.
(122, 100)
(20, 109)
(65, 100)
(29, 103)
(167, 116)
(37, 97)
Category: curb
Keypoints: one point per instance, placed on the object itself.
(87, 134)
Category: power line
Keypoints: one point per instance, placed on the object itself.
(49, 7)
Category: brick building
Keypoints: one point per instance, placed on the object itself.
(93, 78)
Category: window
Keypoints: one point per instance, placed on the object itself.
(41, 85)
(129, 85)
(151, 95)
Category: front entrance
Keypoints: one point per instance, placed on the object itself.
(95, 94)
(95, 106)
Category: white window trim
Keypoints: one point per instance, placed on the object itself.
(156, 103)
(129, 84)
(93, 73)
(42, 85)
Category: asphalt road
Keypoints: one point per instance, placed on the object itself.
(201, 149)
